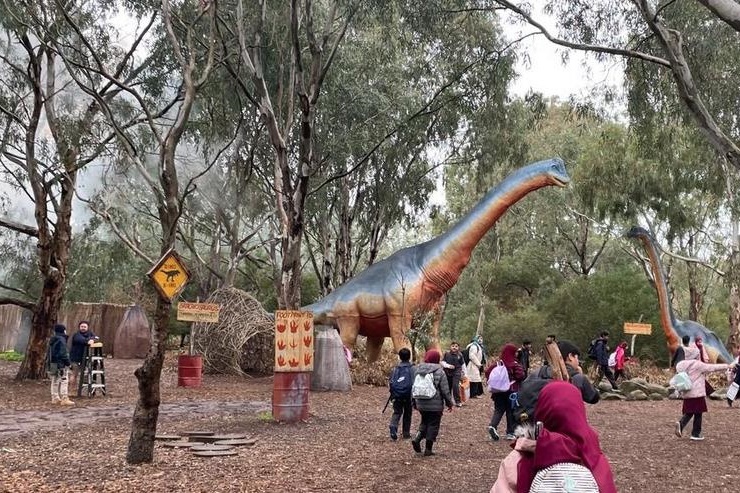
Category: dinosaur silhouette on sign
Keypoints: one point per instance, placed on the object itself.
(381, 301)
(171, 274)
(674, 328)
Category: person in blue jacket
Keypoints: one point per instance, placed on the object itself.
(80, 340)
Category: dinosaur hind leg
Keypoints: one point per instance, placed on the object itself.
(373, 348)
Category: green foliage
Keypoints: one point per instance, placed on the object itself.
(11, 356)
(102, 269)
(582, 308)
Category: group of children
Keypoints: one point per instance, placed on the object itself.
(546, 418)
(559, 446)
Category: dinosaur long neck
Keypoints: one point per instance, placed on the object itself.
(667, 320)
(447, 255)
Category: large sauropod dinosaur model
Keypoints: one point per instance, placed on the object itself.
(381, 301)
(674, 328)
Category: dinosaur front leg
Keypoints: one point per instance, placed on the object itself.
(436, 321)
(349, 328)
(398, 333)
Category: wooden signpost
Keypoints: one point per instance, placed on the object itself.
(637, 329)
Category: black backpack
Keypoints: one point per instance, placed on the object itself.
(592, 349)
(401, 382)
(466, 355)
(526, 398)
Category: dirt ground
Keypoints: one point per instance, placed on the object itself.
(343, 447)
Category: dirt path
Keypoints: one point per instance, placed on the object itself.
(13, 422)
(342, 447)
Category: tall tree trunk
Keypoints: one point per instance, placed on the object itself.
(481, 316)
(146, 413)
(44, 317)
(733, 282)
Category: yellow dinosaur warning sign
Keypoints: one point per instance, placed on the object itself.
(169, 275)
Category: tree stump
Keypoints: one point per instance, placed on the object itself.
(330, 370)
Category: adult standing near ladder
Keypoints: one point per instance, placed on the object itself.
(83, 338)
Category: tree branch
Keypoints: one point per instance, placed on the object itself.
(19, 228)
(29, 305)
(728, 11)
(582, 46)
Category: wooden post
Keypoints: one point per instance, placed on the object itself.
(192, 332)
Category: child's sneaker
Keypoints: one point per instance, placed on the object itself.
(678, 429)
(510, 436)
(697, 437)
(394, 433)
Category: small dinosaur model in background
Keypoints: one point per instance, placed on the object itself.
(674, 328)
(381, 301)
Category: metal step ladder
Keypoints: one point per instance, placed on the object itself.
(92, 371)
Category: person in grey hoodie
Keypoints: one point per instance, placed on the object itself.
(431, 408)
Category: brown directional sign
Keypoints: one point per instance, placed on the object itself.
(169, 275)
(198, 312)
(639, 329)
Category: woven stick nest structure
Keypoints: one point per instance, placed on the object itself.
(242, 341)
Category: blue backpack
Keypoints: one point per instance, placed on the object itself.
(401, 382)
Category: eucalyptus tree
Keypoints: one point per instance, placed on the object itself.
(159, 101)
(279, 56)
(405, 89)
(681, 64)
(51, 131)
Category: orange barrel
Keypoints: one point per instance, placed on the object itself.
(290, 396)
(189, 370)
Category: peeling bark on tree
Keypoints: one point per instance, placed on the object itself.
(733, 281)
(146, 414)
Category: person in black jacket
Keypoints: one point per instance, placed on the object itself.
(680, 355)
(523, 355)
(452, 363)
(602, 359)
(80, 340)
(530, 389)
(58, 364)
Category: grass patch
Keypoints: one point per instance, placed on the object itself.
(264, 416)
(11, 356)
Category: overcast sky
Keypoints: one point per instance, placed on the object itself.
(546, 73)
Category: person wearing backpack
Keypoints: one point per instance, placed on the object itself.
(694, 400)
(431, 394)
(619, 360)
(502, 398)
(58, 365)
(599, 351)
(523, 355)
(400, 383)
(529, 390)
(680, 354)
(561, 450)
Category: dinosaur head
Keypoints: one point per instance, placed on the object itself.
(555, 171)
(637, 232)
